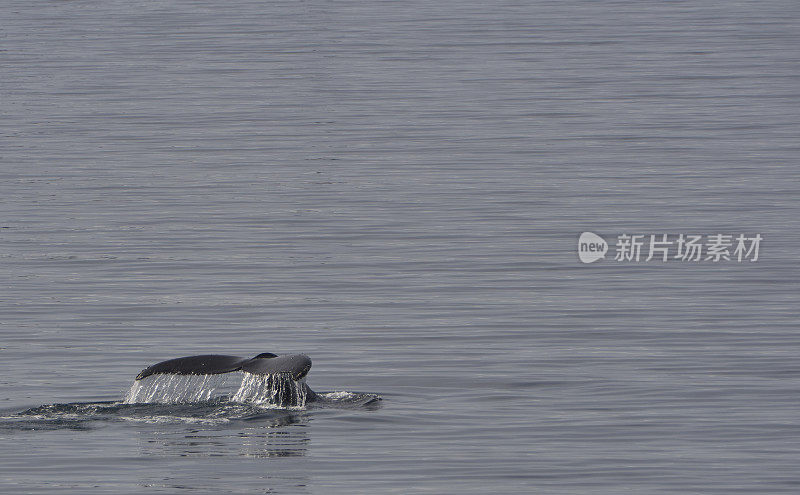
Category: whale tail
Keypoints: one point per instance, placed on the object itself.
(294, 365)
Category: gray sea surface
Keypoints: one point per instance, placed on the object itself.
(397, 189)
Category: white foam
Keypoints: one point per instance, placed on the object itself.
(175, 419)
(339, 395)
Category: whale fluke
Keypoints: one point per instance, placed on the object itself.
(296, 365)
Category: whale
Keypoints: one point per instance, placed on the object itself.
(295, 366)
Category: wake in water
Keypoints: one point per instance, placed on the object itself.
(274, 400)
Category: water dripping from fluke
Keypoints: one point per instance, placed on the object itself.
(268, 390)
(178, 389)
(278, 390)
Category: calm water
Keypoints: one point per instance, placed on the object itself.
(396, 189)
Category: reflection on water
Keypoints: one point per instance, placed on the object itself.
(229, 449)
(273, 436)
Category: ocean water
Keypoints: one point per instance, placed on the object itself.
(397, 189)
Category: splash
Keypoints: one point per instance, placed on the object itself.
(278, 390)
